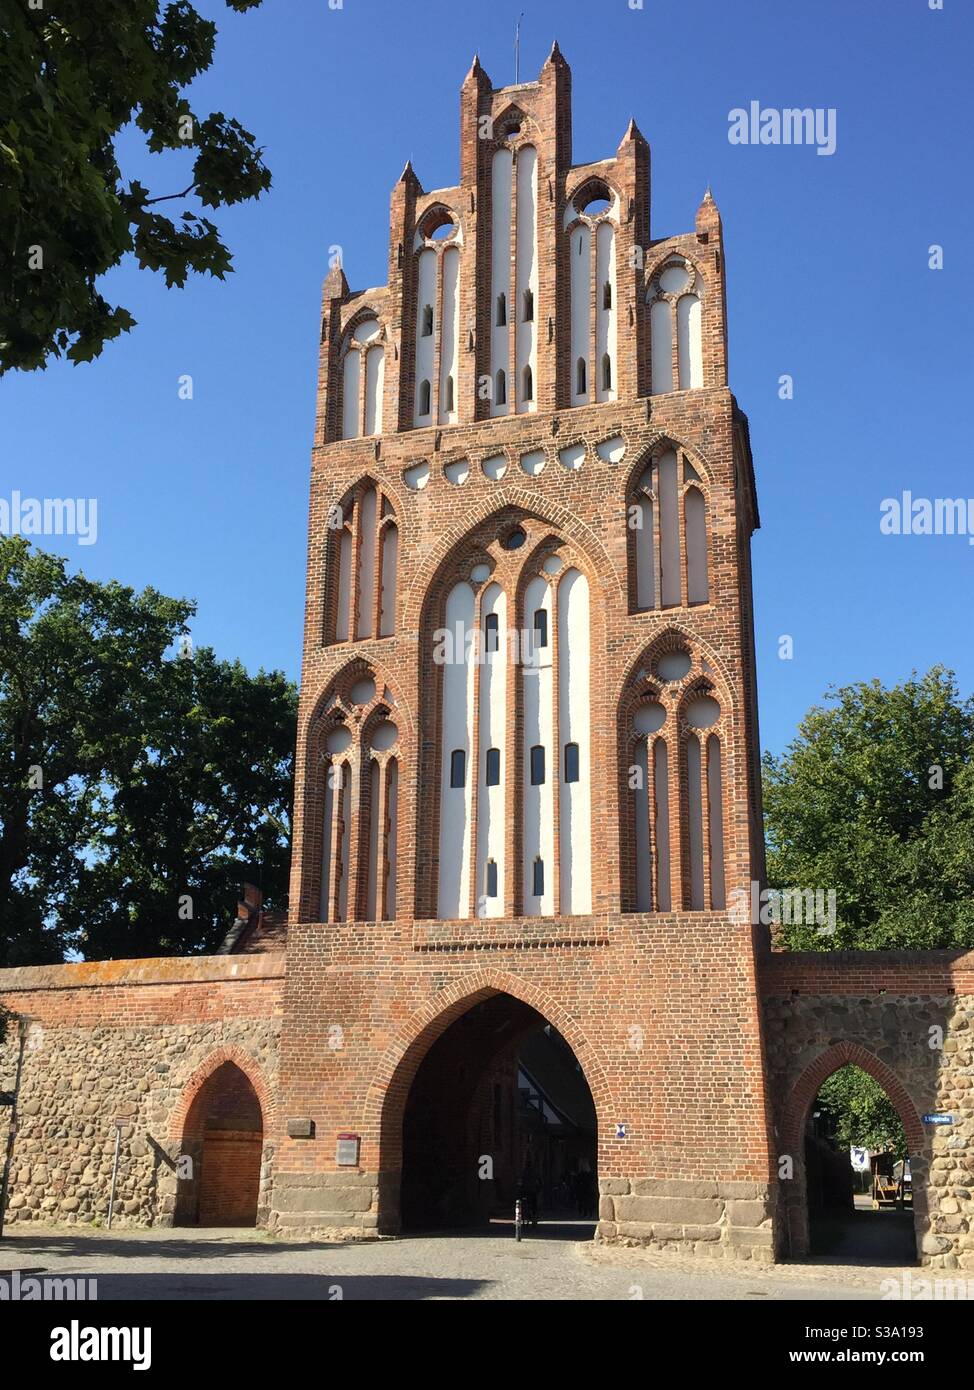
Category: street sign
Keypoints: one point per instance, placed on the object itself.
(938, 1119)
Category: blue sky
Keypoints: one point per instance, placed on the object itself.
(828, 281)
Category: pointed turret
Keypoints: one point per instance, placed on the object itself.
(408, 175)
(335, 286)
(708, 218)
(633, 135)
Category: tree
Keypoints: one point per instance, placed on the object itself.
(858, 1113)
(875, 799)
(178, 822)
(131, 779)
(73, 75)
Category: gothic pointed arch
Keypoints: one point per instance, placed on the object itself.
(386, 1098)
(356, 743)
(668, 529)
(361, 565)
(508, 620)
(674, 739)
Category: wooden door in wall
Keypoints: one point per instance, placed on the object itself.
(230, 1178)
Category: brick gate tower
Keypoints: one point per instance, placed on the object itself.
(527, 767)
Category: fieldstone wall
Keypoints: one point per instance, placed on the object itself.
(135, 1049)
(907, 1019)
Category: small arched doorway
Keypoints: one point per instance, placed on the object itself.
(858, 1177)
(846, 1101)
(499, 1108)
(223, 1139)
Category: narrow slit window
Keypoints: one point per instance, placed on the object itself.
(501, 388)
(493, 774)
(541, 627)
(607, 295)
(501, 310)
(458, 768)
(490, 887)
(449, 393)
(571, 762)
(491, 632)
(528, 389)
(424, 398)
(580, 377)
(537, 765)
(537, 884)
(606, 373)
(427, 320)
(528, 306)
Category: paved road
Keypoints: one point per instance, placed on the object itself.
(201, 1264)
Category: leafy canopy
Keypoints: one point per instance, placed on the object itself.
(875, 799)
(73, 75)
(857, 1113)
(134, 783)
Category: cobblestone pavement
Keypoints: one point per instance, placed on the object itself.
(201, 1264)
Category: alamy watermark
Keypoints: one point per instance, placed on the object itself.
(790, 125)
(50, 516)
(789, 907)
(910, 1290)
(18, 1288)
(463, 645)
(907, 515)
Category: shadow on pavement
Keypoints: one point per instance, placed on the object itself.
(319, 1288)
(217, 1244)
(864, 1237)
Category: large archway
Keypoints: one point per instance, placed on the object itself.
(828, 1213)
(494, 1107)
(222, 1137)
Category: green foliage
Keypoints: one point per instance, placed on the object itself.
(73, 75)
(133, 782)
(875, 799)
(857, 1112)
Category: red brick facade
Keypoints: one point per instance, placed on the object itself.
(655, 1005)
(702, 1052)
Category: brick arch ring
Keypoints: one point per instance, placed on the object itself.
(202, 1074)
(839, 1055)
(537, 506)
(387, 1095)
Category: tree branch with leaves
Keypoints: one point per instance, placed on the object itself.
(73, 76)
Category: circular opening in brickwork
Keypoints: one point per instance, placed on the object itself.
(674, 279)
(418, 476)
(673, 666)
(553, 564)
(495, 467)
(363, 691)
(365, 331)
(514, 539)
(649, 717)
(457, 472)
(702, 712)
(384, 735)
(338, 740)
(479, 573)
(437, 224)
(533, 463)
